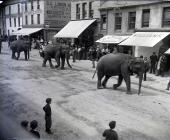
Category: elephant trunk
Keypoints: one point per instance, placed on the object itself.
(140, 82)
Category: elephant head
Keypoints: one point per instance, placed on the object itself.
(137, 66)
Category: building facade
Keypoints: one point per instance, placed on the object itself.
(51, 15)
(85, 10)
(127, 18)
(2, 20)
(12, 12)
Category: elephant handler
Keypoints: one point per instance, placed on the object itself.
(47, 110)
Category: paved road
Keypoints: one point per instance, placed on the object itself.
(79, 110)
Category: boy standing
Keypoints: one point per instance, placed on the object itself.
(111, 134)
(48, 121)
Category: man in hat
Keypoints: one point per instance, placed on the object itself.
(111, 134)
(47, 110)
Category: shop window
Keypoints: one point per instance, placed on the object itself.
(166, 17)
(132, 20)
(19, 23)
(38, 18)
(118, 21)
(84, 10)
(32, 19)
(145, 17)
(103, 22)
(15, 22)
(77, 11)
(26, 20)
(91, 12)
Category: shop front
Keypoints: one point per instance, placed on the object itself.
(80, 33)
(146, 43)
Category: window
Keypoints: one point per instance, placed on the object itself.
(145, 17)
(18, 9)
(91, 12)
(32, 19)
(26, 8)
(38, 4)
(132, 20)
(38, 18)
(32, 7)
(9, 10)
(15, 22)
(19, 24)
(84, 11)
(77, 11)
(118, 21)
(103, 22)
(10, 23)
(166, 17)
(26, 20)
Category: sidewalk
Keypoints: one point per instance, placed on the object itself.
(153, 82)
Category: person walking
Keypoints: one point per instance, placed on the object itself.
(111, 134)
(146, 67)
(153, 59)
(48, 121)
(161, 65)
(33, 126)
(93, 54)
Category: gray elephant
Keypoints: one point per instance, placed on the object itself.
(19, 46)
(121, 65)
(58, 52)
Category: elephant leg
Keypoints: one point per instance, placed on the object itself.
(50, 63)
(100, 76)
(44, 62)
(62, 62)
(28, 54)
(18, 55)
(105, 81)
(25, 53)
(67, 59)
(57, 59)
(120, 79)
(13, 55)
(128, 82)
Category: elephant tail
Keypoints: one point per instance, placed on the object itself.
(94, 73)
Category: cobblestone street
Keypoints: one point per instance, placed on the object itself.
(79, 110)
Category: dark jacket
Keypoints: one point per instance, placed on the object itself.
(110, 134)
(47, 110)
(153, 59)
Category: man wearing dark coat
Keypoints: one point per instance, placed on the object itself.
(153, 60)
(48, 121)
(111, 134)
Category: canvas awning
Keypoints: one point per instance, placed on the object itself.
(74, 28)
(168, 51)
(145, 39)
(26, 31)
(112, 39)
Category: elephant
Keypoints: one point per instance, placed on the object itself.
(121, 65)
(19, 46)
(57, 52)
